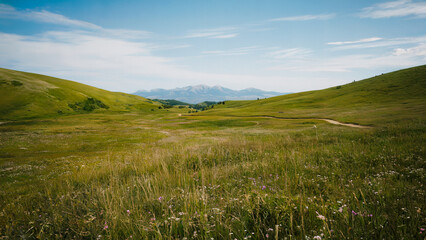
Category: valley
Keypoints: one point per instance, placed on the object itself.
(77, 162)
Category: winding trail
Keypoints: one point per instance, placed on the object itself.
(295, 118)
(345, 124)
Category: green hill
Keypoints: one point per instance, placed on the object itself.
(28, 95)
(395, 96)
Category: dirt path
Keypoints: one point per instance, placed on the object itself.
(327, 120)
(322, 119)
(344, 124)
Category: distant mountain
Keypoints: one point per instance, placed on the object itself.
(201, 93)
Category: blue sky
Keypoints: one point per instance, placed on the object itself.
(286, 46)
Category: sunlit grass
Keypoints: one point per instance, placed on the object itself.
(126, 176)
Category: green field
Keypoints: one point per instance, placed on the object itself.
(133, 171)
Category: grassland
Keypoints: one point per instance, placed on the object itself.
(222, 174)
(387, 98)
(28, 95)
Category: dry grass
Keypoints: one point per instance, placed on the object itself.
(106, 177)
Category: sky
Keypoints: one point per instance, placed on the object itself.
(276, 45)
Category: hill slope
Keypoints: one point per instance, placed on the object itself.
(390, 97)
(28, 95)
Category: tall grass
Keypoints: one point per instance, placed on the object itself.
(329, 182)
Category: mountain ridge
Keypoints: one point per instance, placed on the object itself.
(200, 93)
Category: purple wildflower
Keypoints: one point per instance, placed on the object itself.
(263, 187)
(105, 226)
(354, 213)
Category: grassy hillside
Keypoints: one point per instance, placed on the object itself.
(390, 97)
(28, 95)
(169, 175)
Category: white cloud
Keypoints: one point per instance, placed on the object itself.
(304, 18)
(224, 32)
(109, 63)
(235, 51)
(9, 12)
(398, 8)
(291, 53)
(226, 35)
(383, 43)
(419, 50)
(364, 40)
(351, 63)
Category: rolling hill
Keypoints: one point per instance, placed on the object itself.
(28, 95)
(390, 97)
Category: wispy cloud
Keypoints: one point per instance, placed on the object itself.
(419, 50)
(304, 18)
(224, 32)
(234, 31)
(234, 51)
(364, 40)
(391, 42)
(291, 53)
(398, 8)
(7, 11)
(43, 16)
(398, 58)
(232, 35)
(106, 62)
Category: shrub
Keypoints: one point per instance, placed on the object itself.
(16, 83)
(88, 105)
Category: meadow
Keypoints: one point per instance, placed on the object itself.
(229, 172)
(124, 176)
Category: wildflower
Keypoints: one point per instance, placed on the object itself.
(354, 213)
(317, 238)
(320, 216)
(160, 198)
(340, 209)
(263, 187)
(128, 212)
(267, 235)
(105, 226)
(370, 215)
